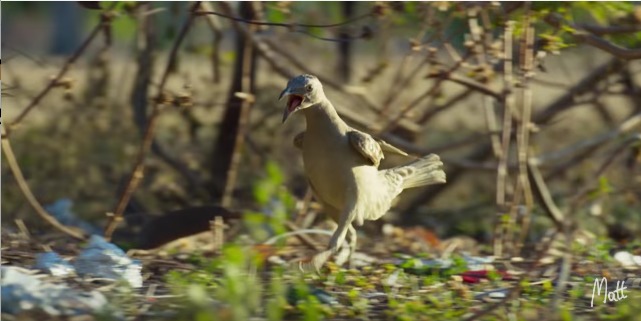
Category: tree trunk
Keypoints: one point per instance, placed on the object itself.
(345, 47)
(227, 144)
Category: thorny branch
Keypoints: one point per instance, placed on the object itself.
(287, 25)
(105, 21)
(247, 68)
(590, 38)
(103, 26)
(26, 191)
(138, 171)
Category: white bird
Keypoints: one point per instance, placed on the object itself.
(341, 164)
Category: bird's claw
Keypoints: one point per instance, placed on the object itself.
(315, 263)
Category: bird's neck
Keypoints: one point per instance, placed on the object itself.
(323, 115)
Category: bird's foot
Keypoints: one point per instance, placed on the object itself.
(314, 264)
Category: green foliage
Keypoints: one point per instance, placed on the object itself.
(277, 302)
(228, 283)
(306, 303)
(179, 281)
(239, 286)
(275, 202)
(578, 13)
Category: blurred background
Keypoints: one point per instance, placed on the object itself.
(535, 109)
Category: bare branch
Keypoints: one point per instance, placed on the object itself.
(609, 30)
(105, 20)
(591, 39)
(26, 191)
(543, 193)
(137, 172)
(287, 25)
(484, 89)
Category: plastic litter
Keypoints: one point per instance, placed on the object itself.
(52, 263)
(61, 210)
(106, 260)
(23, 292)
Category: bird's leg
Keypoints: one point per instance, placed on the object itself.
(344, 224)
(353, 237)
(338, 238)
(316, 263)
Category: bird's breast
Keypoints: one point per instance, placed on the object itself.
(328, 166)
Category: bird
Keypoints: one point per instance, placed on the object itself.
(342, 166)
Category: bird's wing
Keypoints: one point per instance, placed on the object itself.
(298, 140)
(367, 146)
(389, 148)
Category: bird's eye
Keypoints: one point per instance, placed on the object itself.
(308, 88)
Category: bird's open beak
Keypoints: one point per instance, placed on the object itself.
(283, 94)
(293, 102)
(285, 115)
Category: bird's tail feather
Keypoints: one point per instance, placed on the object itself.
(426, 170)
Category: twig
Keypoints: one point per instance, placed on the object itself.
(247, 69)
(399, 84)
(268, 51)
(214, 25)
(523, 135)
(519, 283)
(488, 108)
(484, 89)
(287, 25)
(502, 169)
(593, 40)
(105, 20)
(609, 30)
(26, 191)
(24, 231)
(217, 226)
(297, 232)
(140, 93)
(543, 193)
(585, 85)
(437, 109)
(303, 236)
(591, 143)
(611, 48)
(430, 92)
(548, 113)
(508, 104)
(576, 199)
(327, 81)
(138, 171)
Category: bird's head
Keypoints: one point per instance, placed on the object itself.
(302, 92)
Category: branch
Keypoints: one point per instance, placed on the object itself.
(247, 69)
(26, 191)
(585, 85)
(609, 30)
(625, 127)
(574, 202)
(138, 171)
(286, 25)
(483, 151)
(105, 20)
(543, 194)
(471, 84)
(585, 36)
(269, 52)
(609, 47)
(214, 25)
